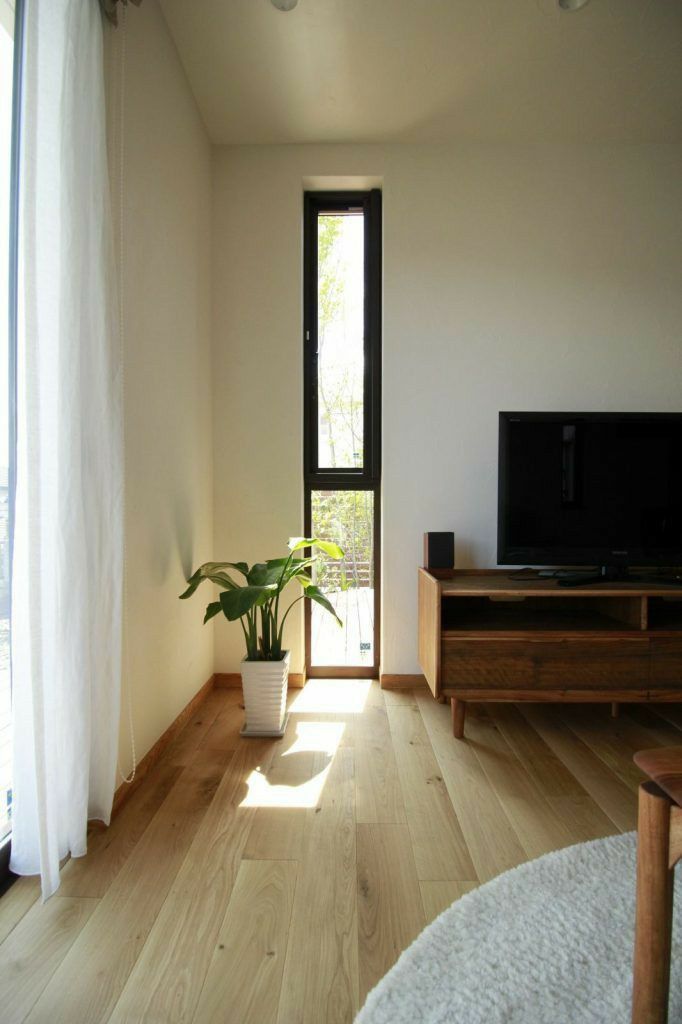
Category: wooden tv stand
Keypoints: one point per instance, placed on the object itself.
(483, 636)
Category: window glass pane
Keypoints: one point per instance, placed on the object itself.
(6, 67)
(340, 337)
(346, 517)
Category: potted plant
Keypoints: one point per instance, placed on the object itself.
(265, 668)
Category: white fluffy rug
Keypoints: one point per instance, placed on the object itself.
(549, 942)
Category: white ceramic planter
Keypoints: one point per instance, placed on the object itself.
(265, 696)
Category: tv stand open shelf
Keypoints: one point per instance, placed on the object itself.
(483, 636)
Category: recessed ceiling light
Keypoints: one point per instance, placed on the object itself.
(569, 5)
(284, 5)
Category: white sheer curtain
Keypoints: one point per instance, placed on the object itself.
(67, 570)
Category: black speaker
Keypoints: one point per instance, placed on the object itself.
(439, 551)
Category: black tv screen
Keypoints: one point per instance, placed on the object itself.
(590, 489)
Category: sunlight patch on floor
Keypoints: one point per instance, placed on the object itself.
(262, 794)
(332, 696)
(312, 738)
(322, 736)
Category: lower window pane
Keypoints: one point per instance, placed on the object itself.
(347, 518)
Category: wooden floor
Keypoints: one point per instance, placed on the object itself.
(275, 882)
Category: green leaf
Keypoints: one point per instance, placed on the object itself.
(316, 595)
(221, 579)
(263, 573)
(192, 586)
(300, 564)
(212, 567)
(328, 546)
(213, 571)
(236, 603)
(212, 610)
(298, 567)
(296, 543)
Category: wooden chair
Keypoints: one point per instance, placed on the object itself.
(659, 847)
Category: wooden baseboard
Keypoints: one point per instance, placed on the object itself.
(126, 789)
(227, 680)
(233, 680)
(401, 682)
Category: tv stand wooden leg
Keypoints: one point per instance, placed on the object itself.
(615, 709)
(458, 711)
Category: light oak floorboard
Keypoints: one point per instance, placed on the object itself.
(665, 732)
(263, 849)
(34, 949)
(537, 824)
(390, 910)
(344, 723)
(438, 896)
(671, 713)
(333, 696)
(166, 980)
(108, 849)
(16, 902)
(615, 741)
(277, 832)
(440, 850)
(400, 698)
(245, 974)
(378, 794)
(492, 842)
(224, 731)
(184, 747)
(607, 790)
(334, 701)
(323, 985)
(375, 695)
(90, 979)
(583, 818)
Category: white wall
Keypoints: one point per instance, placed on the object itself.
(169, 483)
(534, 277)
(257, 367)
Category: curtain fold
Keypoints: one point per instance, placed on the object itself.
(68, 548)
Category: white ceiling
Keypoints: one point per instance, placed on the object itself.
(433, 70)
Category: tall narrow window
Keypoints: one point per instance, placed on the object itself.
(340, 340)
(8, 155)
(342, 373)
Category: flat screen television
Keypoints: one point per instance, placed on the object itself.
(590, 489)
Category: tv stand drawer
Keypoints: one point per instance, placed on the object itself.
(544, 663)
(490, 664)
(666, 662)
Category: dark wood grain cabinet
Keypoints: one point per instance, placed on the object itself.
(483, 636)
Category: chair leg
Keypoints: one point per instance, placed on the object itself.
(653, 926)
(458, 711)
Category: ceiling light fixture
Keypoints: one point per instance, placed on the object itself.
(284, 5)
(568, 5)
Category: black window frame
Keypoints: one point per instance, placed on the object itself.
(316, 203)
(317, 478)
